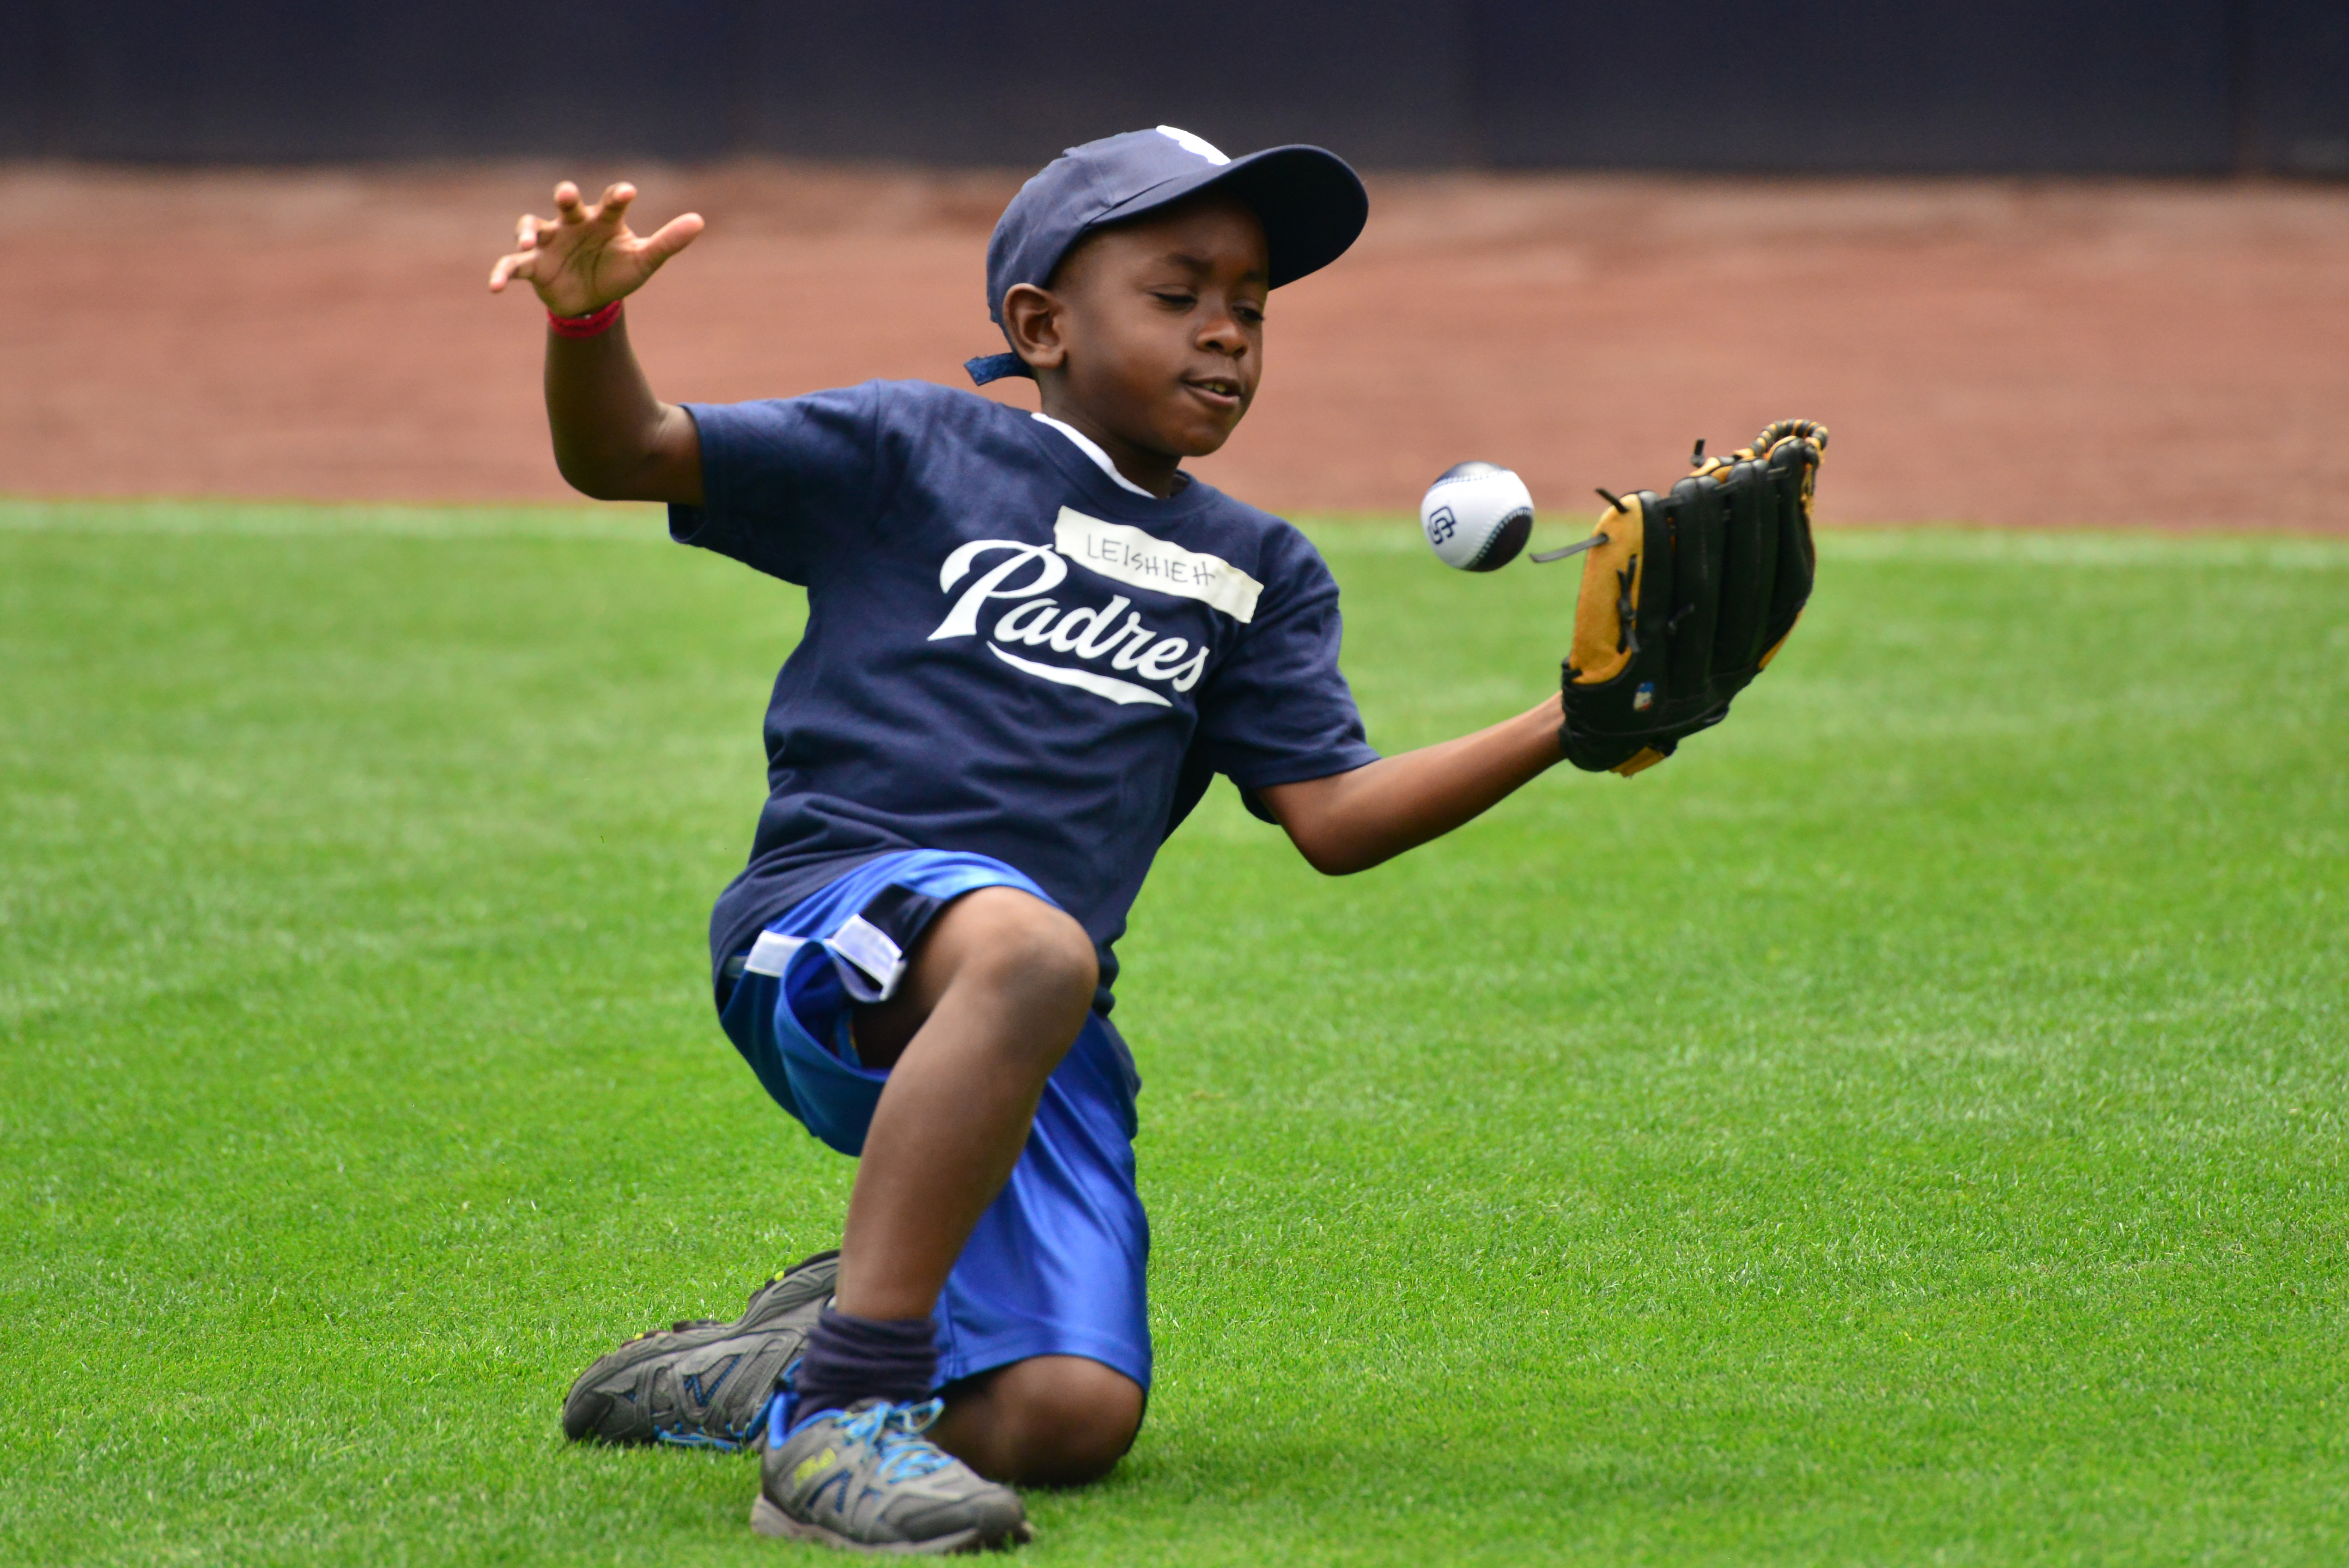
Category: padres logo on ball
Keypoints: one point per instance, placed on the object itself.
(1477, 517)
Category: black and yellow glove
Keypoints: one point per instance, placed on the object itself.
(1686, 597)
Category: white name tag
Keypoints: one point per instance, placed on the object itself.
(1127, 554)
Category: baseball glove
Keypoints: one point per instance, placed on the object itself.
(1686, 597)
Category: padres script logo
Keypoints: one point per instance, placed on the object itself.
(1092, 633)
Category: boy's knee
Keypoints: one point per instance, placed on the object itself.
(1071, 1420)
(1052, 1420)
(1023, 943)
(1016, 948)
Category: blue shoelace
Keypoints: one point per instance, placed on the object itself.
(894, 1431)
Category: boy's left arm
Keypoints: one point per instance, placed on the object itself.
(1352, 821)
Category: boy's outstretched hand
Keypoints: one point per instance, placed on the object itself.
(612, 439)
(585, 257)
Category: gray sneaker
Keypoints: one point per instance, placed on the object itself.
(867, 1481)
(702, 1384)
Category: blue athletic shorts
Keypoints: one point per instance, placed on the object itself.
(1055, 1267)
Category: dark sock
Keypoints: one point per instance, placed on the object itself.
(848, 1358)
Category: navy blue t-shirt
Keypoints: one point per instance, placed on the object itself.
(1007, 652)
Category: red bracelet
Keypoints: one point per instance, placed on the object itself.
(593, 325)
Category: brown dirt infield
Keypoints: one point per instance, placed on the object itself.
(1994, 352)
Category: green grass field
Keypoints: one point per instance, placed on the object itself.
(1907, 1129)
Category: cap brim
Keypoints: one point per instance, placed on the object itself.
(1311, 202)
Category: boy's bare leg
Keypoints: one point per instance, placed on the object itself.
(992, 998)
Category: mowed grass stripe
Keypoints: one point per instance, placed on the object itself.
(284, 520)
(1343, 534)
(1906, 1127)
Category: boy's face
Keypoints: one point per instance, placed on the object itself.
(1153, 331)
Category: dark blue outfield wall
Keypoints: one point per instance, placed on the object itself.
(2168, 87)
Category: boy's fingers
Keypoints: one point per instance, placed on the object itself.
(566, 201)
(526, 230)
(671, 237)
(509, 267)
(613, 203)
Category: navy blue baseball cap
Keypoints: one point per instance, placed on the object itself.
(1311, 204)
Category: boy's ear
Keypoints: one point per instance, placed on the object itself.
(1031, 319)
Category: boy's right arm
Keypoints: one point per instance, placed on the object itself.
(612, 439)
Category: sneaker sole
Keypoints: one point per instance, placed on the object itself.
(768, 1519)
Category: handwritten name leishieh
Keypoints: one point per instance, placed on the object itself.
(1127, 554)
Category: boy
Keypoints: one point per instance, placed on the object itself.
(1031, 642)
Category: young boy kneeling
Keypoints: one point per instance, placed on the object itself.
(1031, 642)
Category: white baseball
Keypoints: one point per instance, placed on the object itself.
(1476, 516)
